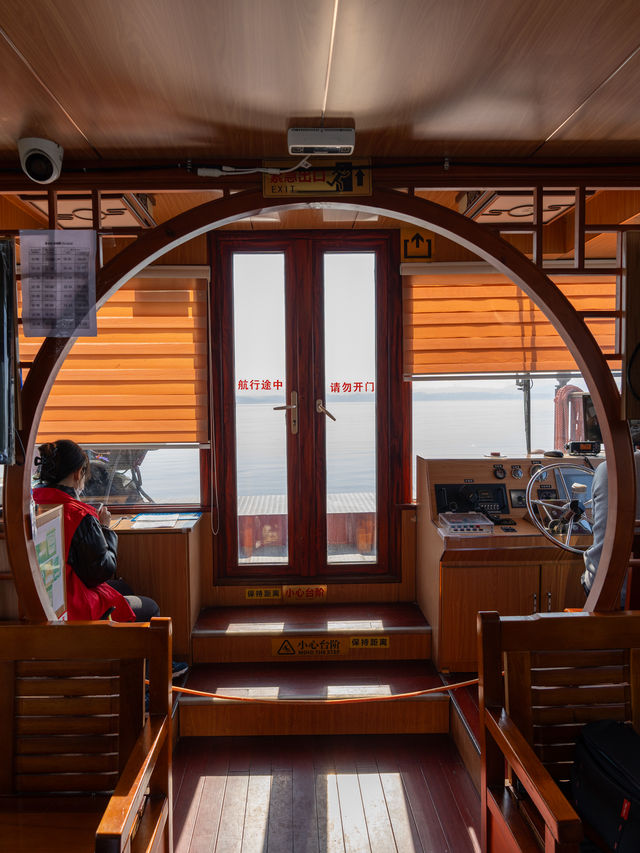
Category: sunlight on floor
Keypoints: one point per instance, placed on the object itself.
(255, 627)
(266, 692)
(336, 691)
(258, 806)
(368, 809)
(356, 625)
(396, 802)
(328, 806)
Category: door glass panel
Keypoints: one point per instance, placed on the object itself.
(261, 432)
(350, 396)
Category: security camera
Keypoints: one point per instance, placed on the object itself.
(41, 159)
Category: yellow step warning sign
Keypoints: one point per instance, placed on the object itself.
(305, 593)
(309, 647)
(369, 642)
(262, 592)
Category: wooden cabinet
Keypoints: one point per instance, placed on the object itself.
(464, 590)
(560, 585)
(513, 589)
(515, 573)
(165, 565)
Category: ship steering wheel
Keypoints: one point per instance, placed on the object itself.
(567, 522)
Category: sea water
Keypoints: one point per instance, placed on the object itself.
(450, 427)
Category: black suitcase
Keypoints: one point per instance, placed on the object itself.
(605, 784)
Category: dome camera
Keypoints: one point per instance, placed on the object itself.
(41, 159)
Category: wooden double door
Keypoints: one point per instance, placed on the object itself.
(311, 455)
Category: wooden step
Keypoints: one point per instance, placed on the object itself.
(312, 683)
(292, 633)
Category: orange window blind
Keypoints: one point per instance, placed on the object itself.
(143, 378)
(483, 323)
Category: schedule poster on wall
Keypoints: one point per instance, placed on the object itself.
(58, 274)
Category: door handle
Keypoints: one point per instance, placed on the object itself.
(322, 411)
(293, 408)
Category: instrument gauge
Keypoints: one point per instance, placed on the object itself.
(535, 468)
(517, 473)
(499, 473)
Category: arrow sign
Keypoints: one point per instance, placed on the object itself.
(417, 245)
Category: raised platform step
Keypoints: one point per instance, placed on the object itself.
(294, 633)
(311, 684)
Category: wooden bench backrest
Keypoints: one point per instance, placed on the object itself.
(561, 672)
(72, 703)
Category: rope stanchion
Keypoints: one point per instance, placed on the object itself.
(345, 701)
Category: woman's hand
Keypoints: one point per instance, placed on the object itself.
(104, 516)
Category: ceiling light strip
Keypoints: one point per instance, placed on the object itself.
(33, 71)
(591, 94)
(330, 58)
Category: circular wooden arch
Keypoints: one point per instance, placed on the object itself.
(34, 604)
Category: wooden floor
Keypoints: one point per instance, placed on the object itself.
(358, 794)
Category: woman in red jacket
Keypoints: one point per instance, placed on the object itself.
(91, 547)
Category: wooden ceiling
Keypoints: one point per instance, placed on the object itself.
(122, 84)
(211, 79)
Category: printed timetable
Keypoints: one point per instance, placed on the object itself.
(58, 275)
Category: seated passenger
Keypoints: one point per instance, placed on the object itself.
(93, 590)
(600, 505)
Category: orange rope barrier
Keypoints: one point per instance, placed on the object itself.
(347, 701)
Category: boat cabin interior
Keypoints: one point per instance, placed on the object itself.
(341, 299)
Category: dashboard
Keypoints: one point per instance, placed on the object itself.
(496, 488)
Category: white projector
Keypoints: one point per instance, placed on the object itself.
(321, 140)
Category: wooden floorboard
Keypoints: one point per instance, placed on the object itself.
(186, 803)
(419, 801)
(461, 787)
(212, 795)
(304, 805)
(455, 827)
(329, 794)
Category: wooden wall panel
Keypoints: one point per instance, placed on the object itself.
(8, 600)
(427, 714)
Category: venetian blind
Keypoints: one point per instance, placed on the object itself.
(143, 378)
(483, 323)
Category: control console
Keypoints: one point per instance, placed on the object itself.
(493, 488)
